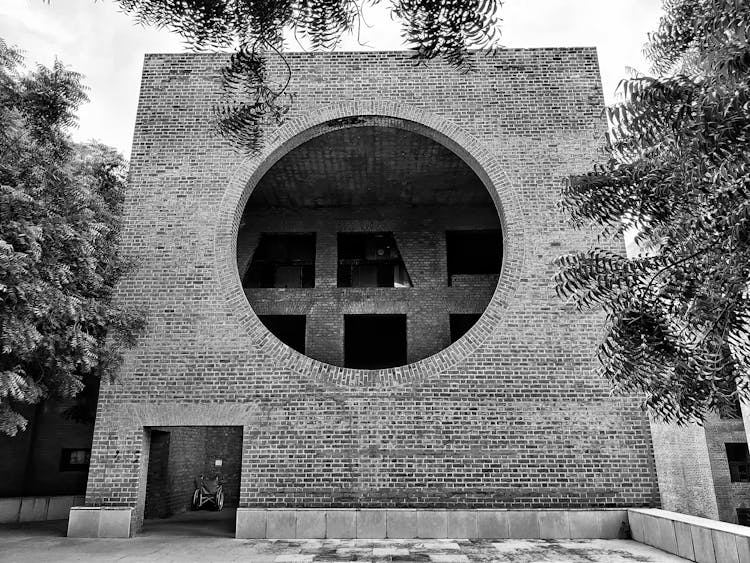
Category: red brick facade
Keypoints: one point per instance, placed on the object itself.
(511, 415)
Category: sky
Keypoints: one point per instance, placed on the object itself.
(94, 38)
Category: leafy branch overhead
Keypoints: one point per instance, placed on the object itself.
(60, 219)
(255, 28)
(678, 174)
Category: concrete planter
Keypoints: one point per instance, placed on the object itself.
(99, 522)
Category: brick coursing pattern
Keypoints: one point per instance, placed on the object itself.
(512, 415)
(686, 483)
(420, 236)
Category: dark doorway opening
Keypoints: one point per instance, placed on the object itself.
(374, 341)
(290, 329)
(178, 456)
(461, 324)
(157, 495)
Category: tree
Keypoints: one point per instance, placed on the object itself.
(677, 172)
(254, 28)
(60, 218)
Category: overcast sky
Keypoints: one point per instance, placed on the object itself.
(95, 39)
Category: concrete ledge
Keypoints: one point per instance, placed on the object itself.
(36, 509)
(99, 522)
(693, 538)
(340, 523)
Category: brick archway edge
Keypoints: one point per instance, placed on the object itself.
(362, 114)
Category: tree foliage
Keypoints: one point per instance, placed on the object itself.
(253, 28)
(678, 173)
(60, 218)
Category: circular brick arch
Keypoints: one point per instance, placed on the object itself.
(387, 114)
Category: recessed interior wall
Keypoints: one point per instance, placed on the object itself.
(371, 221)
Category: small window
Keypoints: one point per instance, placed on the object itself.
(739, 462)
(743, 516)
(290, 329)
(370, 260)
(374, 341)
(75, 459)
(473, 252)
(460, 324)
(282, 260)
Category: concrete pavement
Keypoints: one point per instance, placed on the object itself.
(46, 541)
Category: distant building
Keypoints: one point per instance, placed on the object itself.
(705, 470)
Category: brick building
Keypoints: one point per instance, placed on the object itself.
(363, 315)
(397, 235)
(705, 470)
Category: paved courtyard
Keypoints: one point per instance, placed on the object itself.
(46, 542)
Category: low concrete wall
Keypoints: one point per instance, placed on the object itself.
(691, 537)
(254, 523)
(35, 509)
(99, 522)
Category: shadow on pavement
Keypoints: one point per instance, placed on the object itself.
(200, 523)
(48, 528)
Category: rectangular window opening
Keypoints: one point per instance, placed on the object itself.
(290, 329)
(75, 459)
(738, 458)
(374, 341)
(370, 260)
(473, 252)
(283, 261)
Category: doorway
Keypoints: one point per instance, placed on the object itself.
(178, 456)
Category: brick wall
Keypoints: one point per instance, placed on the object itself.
(513, 415)
(686, 480)
(420, 236)
(225, 443)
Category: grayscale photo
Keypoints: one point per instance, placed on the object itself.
(438, 281)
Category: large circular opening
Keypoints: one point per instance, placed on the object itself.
(369, 247)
